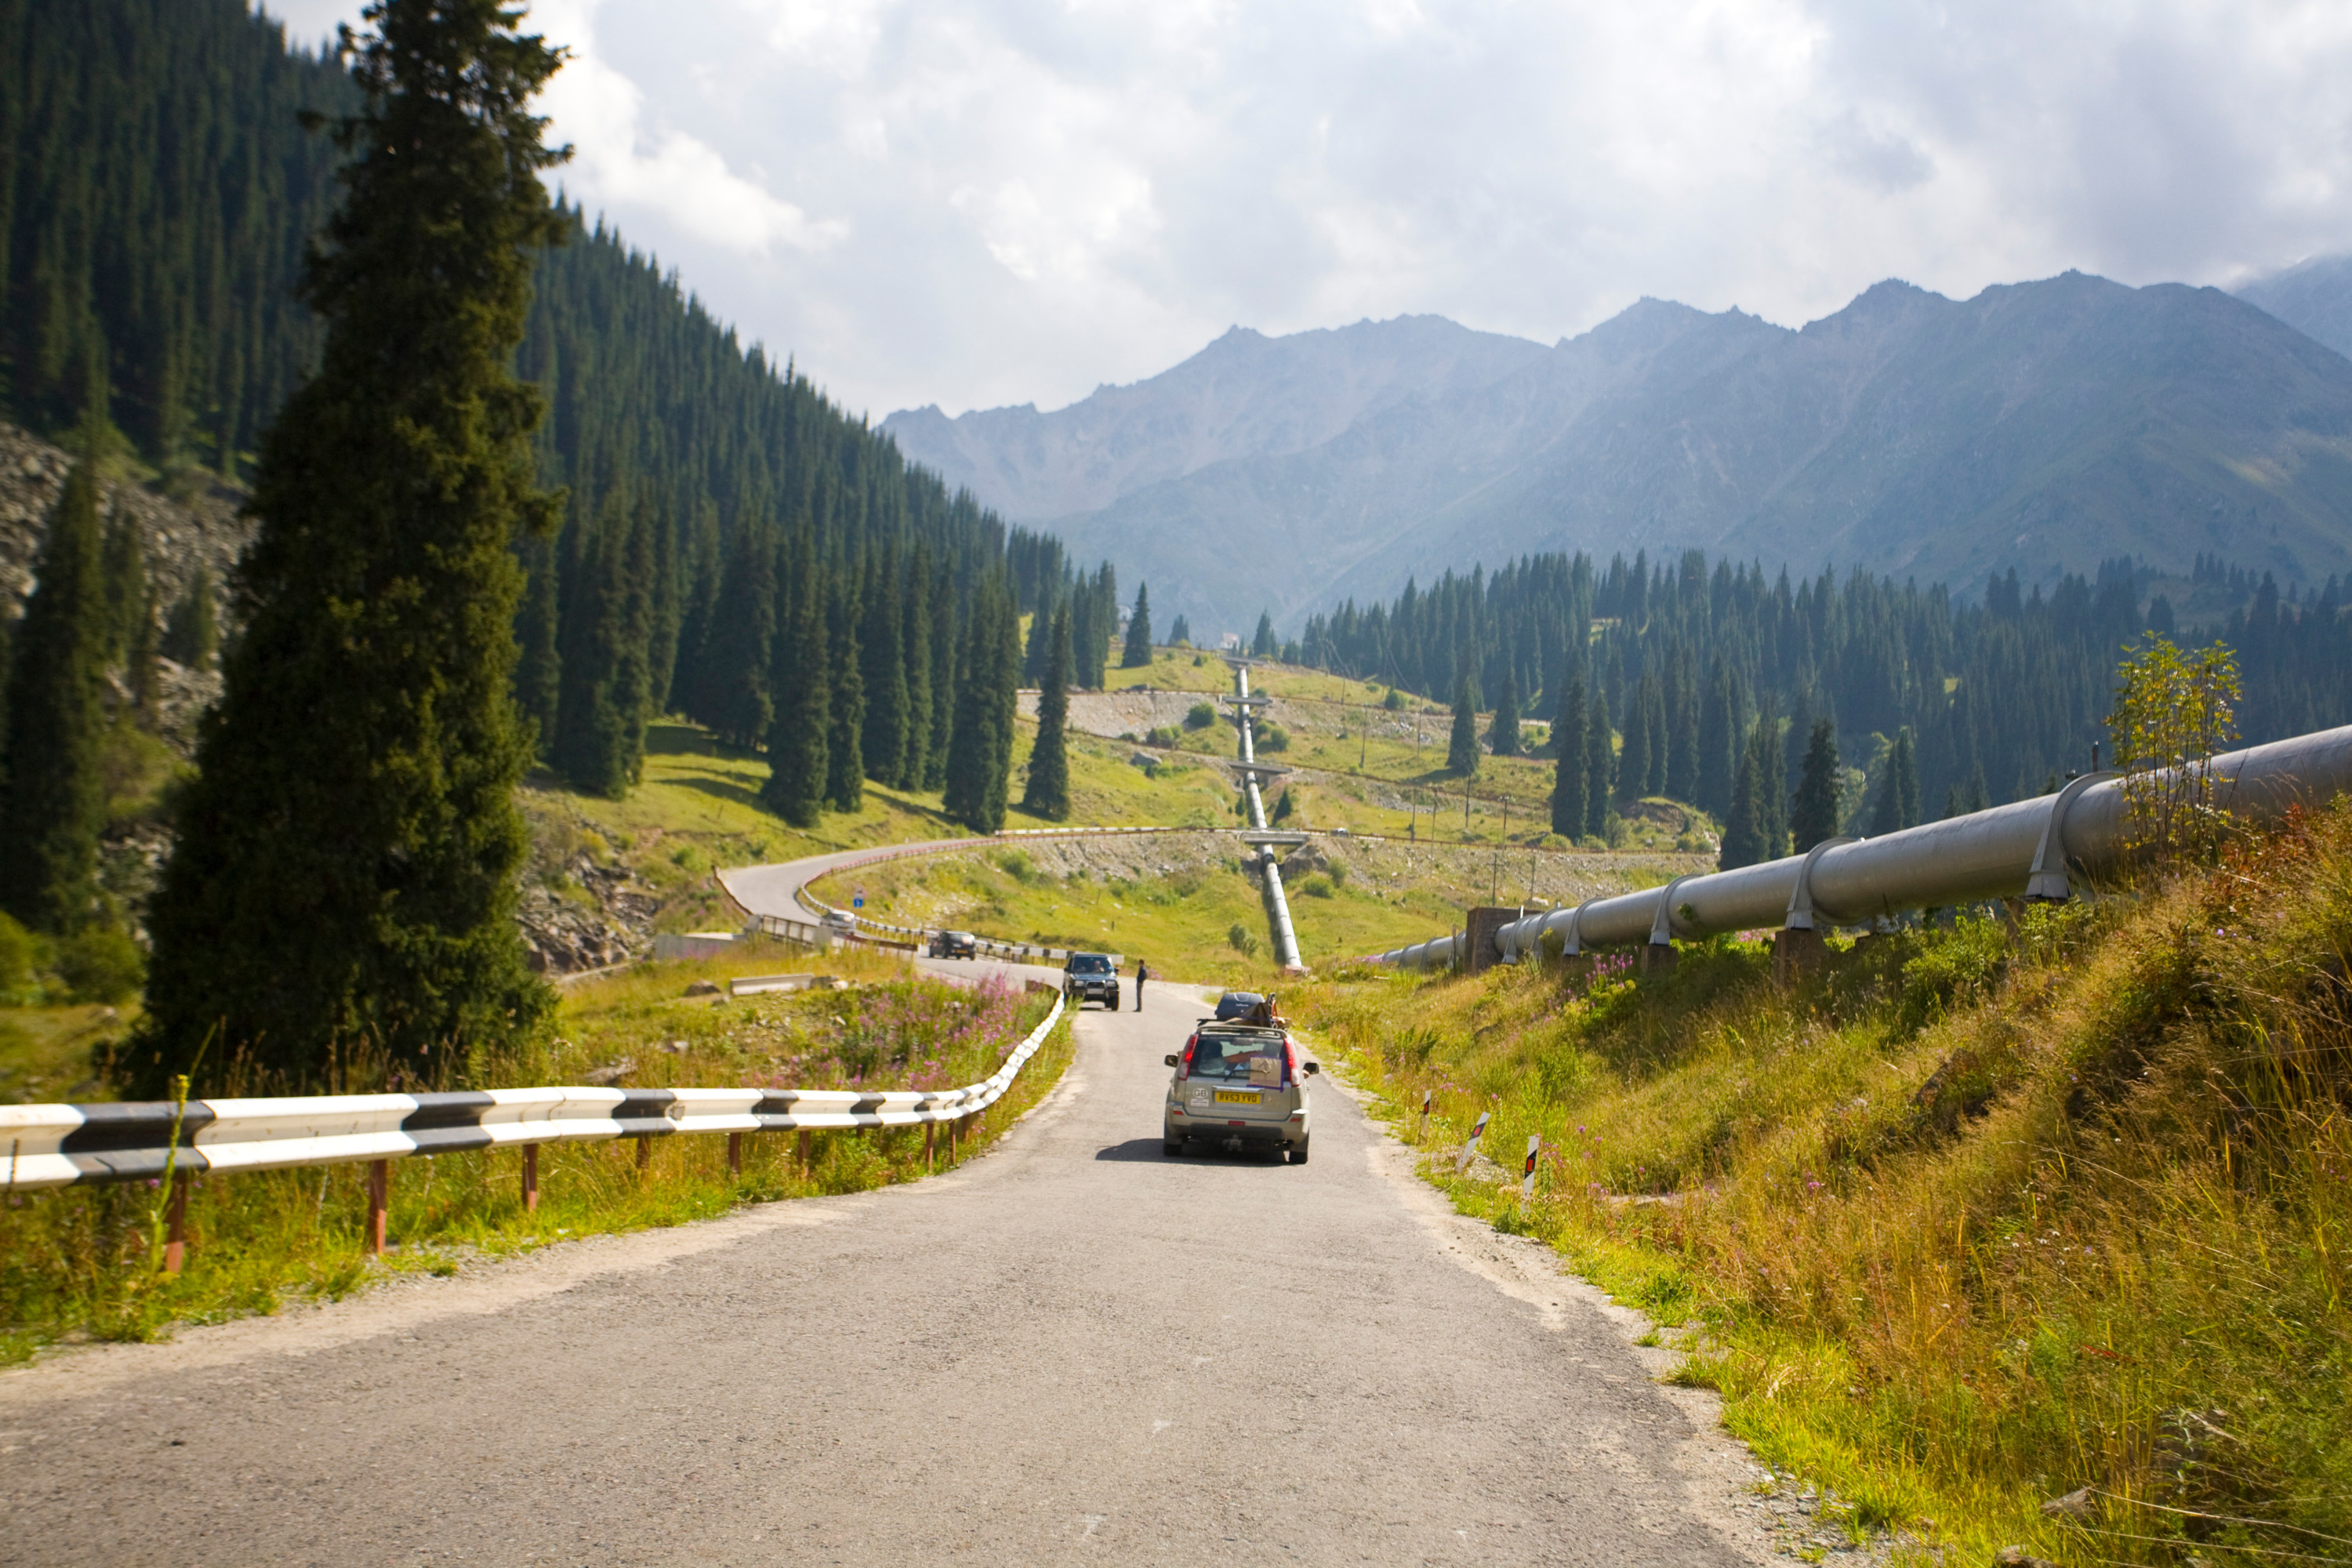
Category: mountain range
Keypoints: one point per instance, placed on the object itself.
(2044, 426)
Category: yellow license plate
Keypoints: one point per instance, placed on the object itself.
(1228, 1097)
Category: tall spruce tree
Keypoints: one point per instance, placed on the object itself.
(1681, 720)
(1262, 644)
(1503, 734)
(346, 869)
(1743, 828)
(1813, 811)
(1897, 805)
(1568, 779)
(1634, 763)
(744, 626)
(845, 765)
(980, 752)
(947, 646)
(1041, 644)
(192, 631)
(52, 796)
(1719, 742)
(915, 659)
(126, 582)
(801, 673)
(1462, 745)
(1599, 765)
(1137, 654)
(881, 643)
(605, 693)
(1047, 794)
(539, 670)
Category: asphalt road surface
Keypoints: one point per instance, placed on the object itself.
(1072, 1350)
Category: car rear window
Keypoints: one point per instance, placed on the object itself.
(1089, 964)
(1229, 1055)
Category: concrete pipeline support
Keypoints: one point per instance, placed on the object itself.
(2027, 849)
(1277, 907)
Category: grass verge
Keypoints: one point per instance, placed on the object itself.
(74, 1262)
(1966, 1223)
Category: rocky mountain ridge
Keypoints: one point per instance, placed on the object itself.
(2044, 426)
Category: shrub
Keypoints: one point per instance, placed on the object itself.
(1164, 735)
(1200, 716)
(1316, 888)
(1394, 700)
(1273, 737)
(1240, 940)
(23, 956)
(102, 965)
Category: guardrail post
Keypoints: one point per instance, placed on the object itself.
(175, 1239)
(930, 1142)
(379, 1196)
(644, 1153)
(734, 1154)
(803, 1152)
(529, 1178)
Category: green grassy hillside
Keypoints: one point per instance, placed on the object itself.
(1970, 1221)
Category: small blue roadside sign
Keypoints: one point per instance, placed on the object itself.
(857, 903)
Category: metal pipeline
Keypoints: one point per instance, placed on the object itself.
(2026, 847)
(1285, 938)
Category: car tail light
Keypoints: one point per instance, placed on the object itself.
(1184, 1068)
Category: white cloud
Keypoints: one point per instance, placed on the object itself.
(985, 201)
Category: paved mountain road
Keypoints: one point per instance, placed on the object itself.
(1071, 1350)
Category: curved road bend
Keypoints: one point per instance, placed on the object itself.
(1072, 1350)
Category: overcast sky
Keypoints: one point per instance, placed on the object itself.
(983, 202)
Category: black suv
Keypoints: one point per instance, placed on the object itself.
(955, 944)
(1089, 977)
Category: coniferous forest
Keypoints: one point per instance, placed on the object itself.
(1985, 702)
(723, 518)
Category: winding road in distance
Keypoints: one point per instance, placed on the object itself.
(1072, 1349)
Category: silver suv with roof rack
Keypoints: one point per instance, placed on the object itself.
(1238, 1083)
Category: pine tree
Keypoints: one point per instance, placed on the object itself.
(1743, 827)
(1047, 794)
(191, 632)
(1568, 799)
(1600, 768)
(1717, 742)
(1262, 644)
(139, 672)
(1462, 746)
(799, 734)
(1772, 798)
(844, 766)
(1682, 719)
(1136, 654)
(744, 624)
(881, 644)
(1897, 805)
(947, 646)
(980, 755)
(915, 659)
(346, 867)
(1661, 739)
(1503, 734)
(1634, 763)
(125, 573)
(1180, 633)
(1813, 813)
(539, 671)
(52, 796)
(1041, 646)
(604, 687)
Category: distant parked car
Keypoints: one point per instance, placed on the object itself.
(1091, 977)
(1235, 1005)
(955, 944)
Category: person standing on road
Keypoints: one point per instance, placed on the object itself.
(1142, 973)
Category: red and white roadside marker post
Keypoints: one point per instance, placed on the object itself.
(1425, 1117)
(1470, 1148)
(1527, 1177)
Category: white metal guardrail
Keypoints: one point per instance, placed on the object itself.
(64, 1145)
(2027, 848)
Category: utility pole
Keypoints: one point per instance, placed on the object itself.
(1365, 750)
